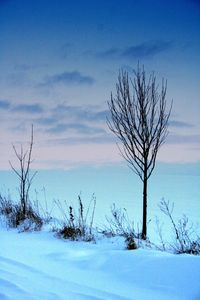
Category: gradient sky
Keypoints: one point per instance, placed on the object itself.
(59, 62)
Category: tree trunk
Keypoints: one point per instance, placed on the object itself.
(144, 222)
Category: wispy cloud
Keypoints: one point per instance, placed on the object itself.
(146, 50)
(68, 78)
(180, 124)
(100, 139)
(46, 121)
(110, 53)
(5, 104)
(81, 113)
(76, 128)
(28, 108)
(140, 51)
(183, 139)
(74, 122)
(33, 108)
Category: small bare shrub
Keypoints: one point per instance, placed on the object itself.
(76, 224)
(119, 224)
(130, 242)
(69, 232)
(15, 217)
(186, 240)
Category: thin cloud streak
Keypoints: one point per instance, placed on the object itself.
(146, 50)
(80, 113)
(141, 51)
(180, 124)
(46, 121)
(183, 139)
(101, 139)
(67, 78)
(77, 128)
(28, 108)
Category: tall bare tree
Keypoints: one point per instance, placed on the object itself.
(139, 118)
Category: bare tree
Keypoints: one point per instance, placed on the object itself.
(23, 173)
(139, 118)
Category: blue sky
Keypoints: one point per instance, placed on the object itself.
(59, 63)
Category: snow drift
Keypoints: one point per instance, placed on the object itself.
(39, 266)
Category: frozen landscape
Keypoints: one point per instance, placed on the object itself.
(39, 266)
(82, 218)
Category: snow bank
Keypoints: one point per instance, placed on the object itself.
(39, 266)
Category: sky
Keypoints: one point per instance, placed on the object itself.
(59, 62)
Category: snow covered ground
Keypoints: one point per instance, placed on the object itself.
(40, 266)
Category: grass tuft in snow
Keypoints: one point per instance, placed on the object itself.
(185, 238)
(15, 216)
(77, 223)
(119, 224)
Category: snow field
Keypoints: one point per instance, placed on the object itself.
(39, 266)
